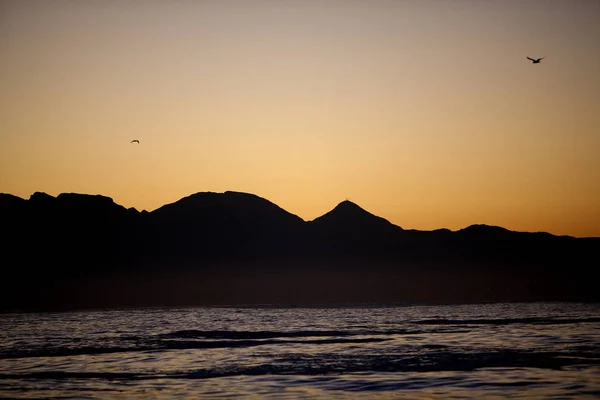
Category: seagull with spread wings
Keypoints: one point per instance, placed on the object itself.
(135, 141)
(536, 60)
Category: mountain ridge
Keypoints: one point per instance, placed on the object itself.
(42, 196)
(86, 251)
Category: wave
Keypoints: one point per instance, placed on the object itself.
(222, 334)
(330, 363)
(174, 345)
(207, 339)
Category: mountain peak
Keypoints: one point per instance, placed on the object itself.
(483, 229)
(41, 196)
(348, 215)
(347, 204)
(229, 205)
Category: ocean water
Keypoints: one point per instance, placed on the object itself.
(480, 351)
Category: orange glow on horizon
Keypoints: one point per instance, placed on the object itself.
(425, 113)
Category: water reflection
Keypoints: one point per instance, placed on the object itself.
(524, 351)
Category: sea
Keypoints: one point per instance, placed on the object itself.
(365, 351)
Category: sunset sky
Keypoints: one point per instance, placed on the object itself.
(424, 112)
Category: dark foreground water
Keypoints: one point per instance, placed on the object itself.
(528, 351)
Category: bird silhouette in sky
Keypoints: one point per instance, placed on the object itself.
(535, 60)
(135, 141)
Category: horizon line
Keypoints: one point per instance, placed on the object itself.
(346, 199)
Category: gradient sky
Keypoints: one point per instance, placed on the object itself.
(426, 113)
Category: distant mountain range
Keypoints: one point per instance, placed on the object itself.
(84, 251)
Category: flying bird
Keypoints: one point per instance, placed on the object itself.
(135, 141)
(535, 60)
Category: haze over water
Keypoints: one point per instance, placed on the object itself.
(478, 351)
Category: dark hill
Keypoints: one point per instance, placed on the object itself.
(349, 231)
(10, 202)
(229, 210)
(349, 217)
(79, 250)
(222, 226)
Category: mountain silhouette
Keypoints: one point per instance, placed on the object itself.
(222, 226)
(348, 231)
(80, 251)
(349, 217)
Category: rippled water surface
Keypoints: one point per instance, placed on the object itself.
(525, 350)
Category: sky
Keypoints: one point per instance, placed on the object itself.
(426, 113)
